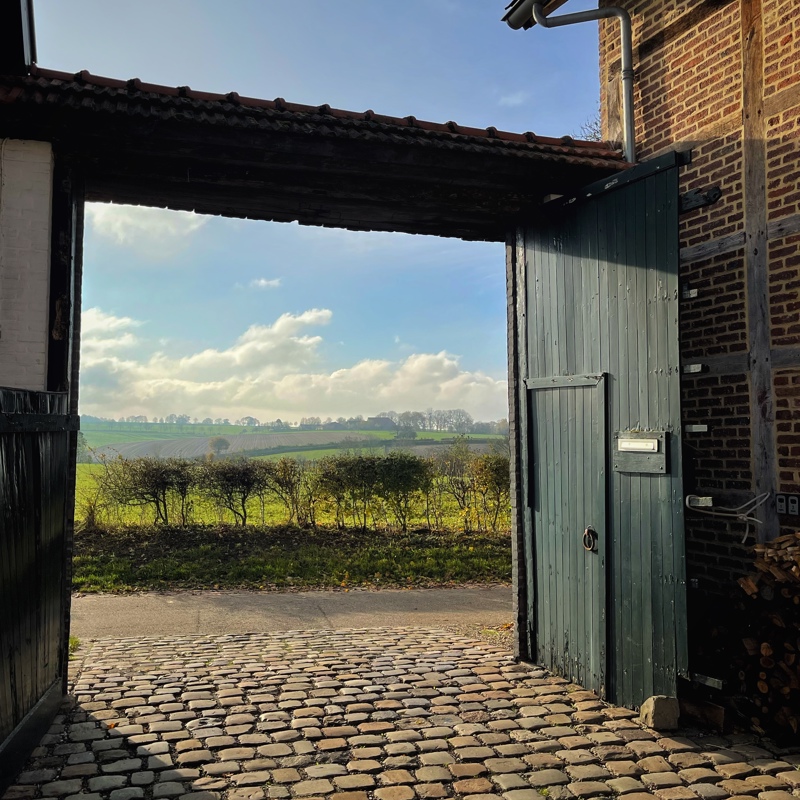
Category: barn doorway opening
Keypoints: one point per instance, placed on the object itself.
(226, 363)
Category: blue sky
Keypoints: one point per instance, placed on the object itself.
(216, 317)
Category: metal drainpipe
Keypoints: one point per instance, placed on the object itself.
(624, 18)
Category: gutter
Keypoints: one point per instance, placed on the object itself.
(523, 13)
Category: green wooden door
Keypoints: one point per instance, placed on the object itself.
(568, 502)
(601, 299)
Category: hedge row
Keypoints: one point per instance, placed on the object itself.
(456, 488)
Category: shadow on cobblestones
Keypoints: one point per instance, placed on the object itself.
(387, 714)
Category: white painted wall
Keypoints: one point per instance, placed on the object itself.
(26, 185)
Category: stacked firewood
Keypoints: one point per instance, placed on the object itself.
(770, 672)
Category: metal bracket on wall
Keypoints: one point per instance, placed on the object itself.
(697, 198)
(687, 293)
(693, 501)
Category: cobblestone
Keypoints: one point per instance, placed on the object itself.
(398, 714)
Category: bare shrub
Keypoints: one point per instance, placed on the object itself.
(230, 484)
(402, 477)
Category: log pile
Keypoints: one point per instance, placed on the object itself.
(769, 671)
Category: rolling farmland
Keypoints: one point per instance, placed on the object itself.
(199, 446)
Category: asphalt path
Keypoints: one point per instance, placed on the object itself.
(97, 616)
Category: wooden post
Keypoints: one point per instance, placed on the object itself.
(62, 279)
(515, 297)
(66, 257)
(762, 406)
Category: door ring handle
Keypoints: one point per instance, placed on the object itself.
(590, 540)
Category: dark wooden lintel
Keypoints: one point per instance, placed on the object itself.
(284, 173)
(38, 423)
(404, 211)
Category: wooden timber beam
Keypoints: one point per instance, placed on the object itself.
(762, 405)
(722, 245)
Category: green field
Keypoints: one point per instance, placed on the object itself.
(99, 435)
(102, 434)
(139, 560)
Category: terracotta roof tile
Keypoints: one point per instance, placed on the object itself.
(138, 98)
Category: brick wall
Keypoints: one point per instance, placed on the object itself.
(717, 161)
(784, 290)
(787, 416)
(781, 46)
(783, 163)
(26, 170)
(690, 66)
(713, 323)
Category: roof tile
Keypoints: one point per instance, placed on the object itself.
(84, 90)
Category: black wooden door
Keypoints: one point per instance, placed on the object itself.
(34, 511)
(601, 299)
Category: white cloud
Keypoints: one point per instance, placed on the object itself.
(270, 371)
(265, 283)
(513, 100)
(155, 233)
(103, 333)
(94, 321)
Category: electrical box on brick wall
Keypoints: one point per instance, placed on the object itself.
(640, 451)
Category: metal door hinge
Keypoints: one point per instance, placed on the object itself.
(697, 198)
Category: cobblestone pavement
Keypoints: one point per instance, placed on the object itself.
(387, 714)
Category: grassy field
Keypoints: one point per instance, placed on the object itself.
(238, 445)
(102, 434)
(98, 435)
(129, 560)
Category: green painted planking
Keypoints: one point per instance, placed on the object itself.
(561, 559)
(602, 297)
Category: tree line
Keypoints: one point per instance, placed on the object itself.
(351, 490)
(453, 420)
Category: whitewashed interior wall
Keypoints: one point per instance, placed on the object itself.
(26, 182)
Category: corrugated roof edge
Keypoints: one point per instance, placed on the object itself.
(603, 150)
